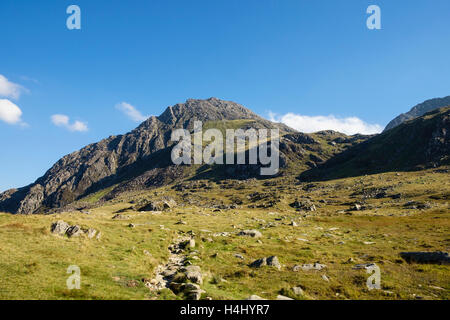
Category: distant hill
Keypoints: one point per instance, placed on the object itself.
(417, 144)
(419, 110)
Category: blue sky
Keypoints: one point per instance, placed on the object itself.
(279, 58)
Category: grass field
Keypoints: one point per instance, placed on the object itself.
(34, 262)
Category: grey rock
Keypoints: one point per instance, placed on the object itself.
(269, 261)
(195, 294)
(59, 227)
(364, 266)
(193, 273)
(74, 231)
(305, 205)
(298, 291)
(436, 257)
(273, 262)
(313, 266)
(190, 287)
(250, 233)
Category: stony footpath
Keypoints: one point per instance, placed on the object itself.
(178, 274)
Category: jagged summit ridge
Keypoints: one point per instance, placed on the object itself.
(211, 109)
(419, 110)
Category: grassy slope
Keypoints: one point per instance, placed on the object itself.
(33, 262)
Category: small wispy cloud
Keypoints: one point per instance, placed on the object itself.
(131, 112)
(61, 120)
(309, 124)
(26, 78)
(10, 113)
(10, 89)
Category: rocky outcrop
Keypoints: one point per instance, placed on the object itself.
(437, 257)
(62, 228)
(419, 110)
(269, 261)
(250, 233)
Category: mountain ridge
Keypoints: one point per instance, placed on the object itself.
(140, 159)
(418, 110)
(119, 157)
(421, 143)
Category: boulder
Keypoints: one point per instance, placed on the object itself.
(250, 233)
(273, 262)
(239, 256)
(270, 261)
(158, 205)
(297, 291)
(313, 266)
(59, 227)
(259, 263)
(74, 231)
(305, 205)
(193, 273)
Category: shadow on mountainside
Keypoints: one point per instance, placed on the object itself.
(417, 144)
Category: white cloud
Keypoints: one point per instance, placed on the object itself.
(9, 89)
(61, 120)
(10, 113)
(26, 78)
(309, 124)
(131, 112)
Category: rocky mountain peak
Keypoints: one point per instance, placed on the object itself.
(118, 158)
(211, 109)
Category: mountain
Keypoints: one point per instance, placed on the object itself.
(417, 144)
(141, 159)
(419, 110)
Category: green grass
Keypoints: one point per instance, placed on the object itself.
(95, 197)
(33, 262)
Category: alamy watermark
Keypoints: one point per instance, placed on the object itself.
(374, 281)
(374, 20)
(74, 20)
(74, 280)
(253, 142)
